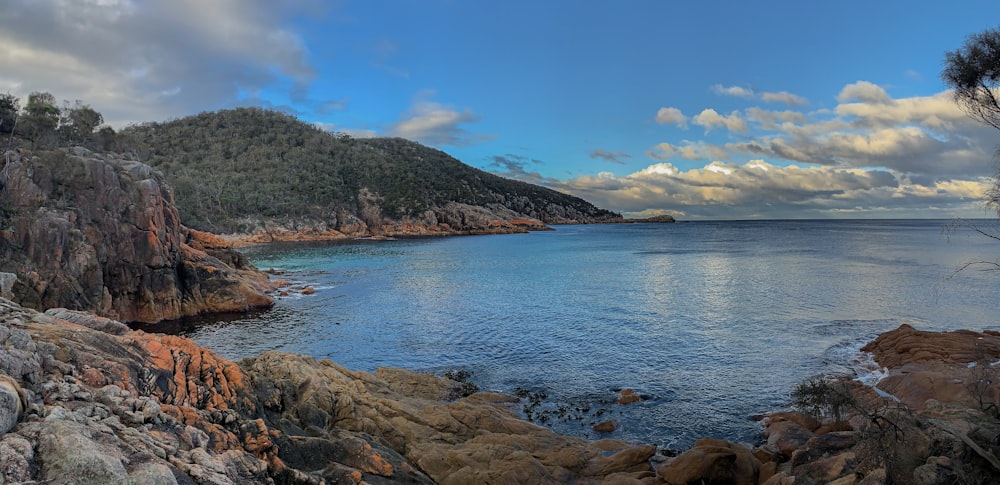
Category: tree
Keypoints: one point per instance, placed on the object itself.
(973, 71)
(78, 123)
(41, 117)
(9, 108)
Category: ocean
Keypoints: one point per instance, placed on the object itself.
(711, 322)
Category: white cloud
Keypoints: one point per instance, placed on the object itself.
(870, 156)
(151, 60)
(709, 119)
(737, 91)
(865, 92)
(436, 124)
(671, 116)
(688, 150)
(784, 97)
(760, 189)
(773, 120)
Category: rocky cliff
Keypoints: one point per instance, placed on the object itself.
(99, 233)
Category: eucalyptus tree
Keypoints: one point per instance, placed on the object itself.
(40, 119)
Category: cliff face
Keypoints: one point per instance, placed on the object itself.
(99, 233)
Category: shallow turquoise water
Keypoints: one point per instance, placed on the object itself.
(713, 322)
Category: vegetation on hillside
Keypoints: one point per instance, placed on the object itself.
(234, 165)
(41, 124)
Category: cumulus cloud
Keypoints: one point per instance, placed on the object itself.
(435, 124)
(688, 150)
(737, 91)
(784, 97)
(671, 116)
(870, 156)
(140, 61)
(768, 97)
(774, 120)
(609, 156)
(923, 136)
(709, 118)
(865, 92)
(760, 189)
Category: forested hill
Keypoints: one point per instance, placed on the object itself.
(243, 170)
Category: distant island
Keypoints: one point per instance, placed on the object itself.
(663, 219)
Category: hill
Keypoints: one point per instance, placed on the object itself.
(251, 170)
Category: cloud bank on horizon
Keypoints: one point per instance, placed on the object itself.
(775, 114)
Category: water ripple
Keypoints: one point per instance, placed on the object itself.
(713, 322)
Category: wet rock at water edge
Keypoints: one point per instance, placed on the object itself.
(606, 426)
(628, 396)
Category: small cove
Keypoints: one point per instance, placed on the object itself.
(712, 322)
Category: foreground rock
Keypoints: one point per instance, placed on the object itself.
(931, 421)
(83, 399)
(100, 233)
(94, 402)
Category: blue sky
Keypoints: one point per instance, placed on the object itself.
(703, 110)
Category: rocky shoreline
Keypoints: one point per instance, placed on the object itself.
(83, 399)
(485, 223)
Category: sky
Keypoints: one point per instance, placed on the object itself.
(700, 110)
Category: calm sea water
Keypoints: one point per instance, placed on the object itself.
(712, 322)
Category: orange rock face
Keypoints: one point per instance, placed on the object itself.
(945, 367)
(98, 233)
(907, 345)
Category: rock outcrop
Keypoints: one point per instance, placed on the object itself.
(101, 233)
(932, 420)
(94, 402)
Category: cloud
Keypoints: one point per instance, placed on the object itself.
(140, 61)
(759, 189)
(709, 119)
(436, 124)
(688, 150)
(865, 92)
(768, 97)
(774, 120)
(736, 91)
(784, 97)
(609, 156)
(671, 116)
(353, 133)
(516, 167)
(921, 136)
(869, 156)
